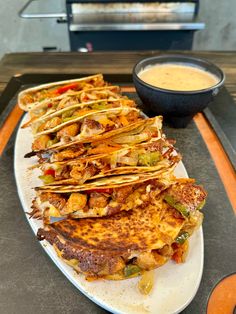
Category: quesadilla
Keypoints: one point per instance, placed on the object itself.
(28, 98)
(51, 105)
(134, 133)
(146, 157)
(125, 245)
(101, 197)
(71, 113)
(86, 126)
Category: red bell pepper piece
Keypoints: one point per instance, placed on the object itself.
(50, 172)
(63, 89)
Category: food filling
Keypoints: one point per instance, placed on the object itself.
(138, 262)
(98, 201)
(95, 124)
(54, 91)
(49, 122)
(134, 135)
(151, 155)
(63, 101)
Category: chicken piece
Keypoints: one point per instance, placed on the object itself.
(97, 200)
(40, 142)
(121, 194)
(52, 123)
(69, 131)
(89, 172)
(69, 153)
(166, 251)
(76, 201)
(76, 172)
(82, 175)
(150, 260)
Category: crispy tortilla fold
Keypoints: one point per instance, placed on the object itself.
(146, 157)
(134, 133)
(51, 105)
(86, 127)
(29, 98)
(123, 245)
(102, 197)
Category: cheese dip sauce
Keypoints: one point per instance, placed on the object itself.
(178, 77)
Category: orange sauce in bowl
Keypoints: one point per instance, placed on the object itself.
(178, 77)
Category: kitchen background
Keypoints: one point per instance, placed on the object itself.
(17, 34)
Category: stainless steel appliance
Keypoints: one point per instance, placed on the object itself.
(96, 25)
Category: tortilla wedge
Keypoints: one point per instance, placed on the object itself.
(28, 98)
(51, 105)
(124, 245)
(102, 197)
(146, 157)
(86, 127)
(137, 132)
(166, 175)
(69, 114)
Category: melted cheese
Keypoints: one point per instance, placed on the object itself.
(178, 77)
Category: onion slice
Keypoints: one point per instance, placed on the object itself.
(146, 283)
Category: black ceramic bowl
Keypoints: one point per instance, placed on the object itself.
(177, 107)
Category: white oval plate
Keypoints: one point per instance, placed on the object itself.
(175, 285)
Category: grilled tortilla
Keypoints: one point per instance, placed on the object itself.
(102, 197)
(146, 157)
(51, 105)
(126, 244)
(29, 98)
(87, 126)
